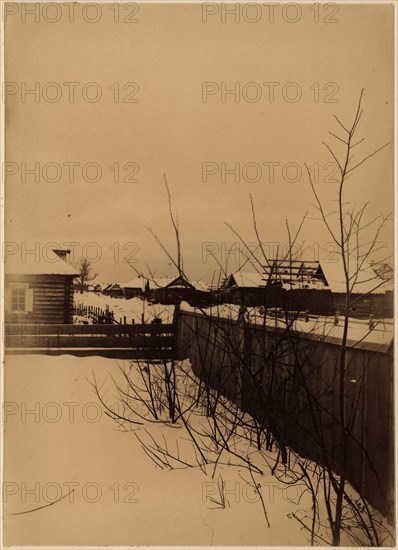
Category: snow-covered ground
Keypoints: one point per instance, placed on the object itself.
(120, 497)
(58, 439)
(134, 308)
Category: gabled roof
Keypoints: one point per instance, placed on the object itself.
(367, 281)
(174, 282)
(243, 279)
(179, 282)
(160, 282)
(107, 287)
(45, 262)
(114, 286)
(137, 282)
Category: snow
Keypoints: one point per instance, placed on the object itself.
(362, 277)
(379, 338)
(46, 263)
(120, 496)
(132, 309)
(171, 509)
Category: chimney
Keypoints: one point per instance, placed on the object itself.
(62, 253)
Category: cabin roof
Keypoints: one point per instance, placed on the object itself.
(165, 282)
(247, 279)
(367, 280)
(114, 286)
(177, 281)
(160, 282)
(45, 263)
(137, 282)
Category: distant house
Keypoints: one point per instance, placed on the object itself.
(134, 288)
(372, 293)
(295, 274)
(168, 290)
(314, 286)
(106, 288)
(114, 290)
(97, 288)
(362, 281)
(244, 287)
(39, 289)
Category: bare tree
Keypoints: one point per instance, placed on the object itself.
(346, 226)
(273, 387)
(86, 273)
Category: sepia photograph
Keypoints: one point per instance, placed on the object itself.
(198, 274)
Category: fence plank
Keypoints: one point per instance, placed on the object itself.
(104, 329)
(92, 341)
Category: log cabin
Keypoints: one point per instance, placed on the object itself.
(134, 288)
(39, 288)
(246, 288)
(173, 290)
(114, 290)
(316, 287)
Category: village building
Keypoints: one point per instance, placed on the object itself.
(370, 293)
(246, 288)
(168, 290)
(295, 274)
(106, 288)
(134, 288)
(39, 289)
(314, 286)
(114, 290)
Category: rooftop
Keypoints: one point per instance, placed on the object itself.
(45, 262)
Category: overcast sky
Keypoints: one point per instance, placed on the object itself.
(173, 128)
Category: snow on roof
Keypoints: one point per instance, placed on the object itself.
(200, 285)
(248, 279)
(137, 282)
(107, 286)
(163, 282)
(366, 281)
(378, 339)
(112, 286)
(160, 282)
(44, 263)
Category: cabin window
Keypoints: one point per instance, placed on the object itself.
(18, 299)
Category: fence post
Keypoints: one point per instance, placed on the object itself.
(244, 343)
(177, 351)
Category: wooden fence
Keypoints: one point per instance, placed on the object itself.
(253, 365)
(98, 316)
(131, 341)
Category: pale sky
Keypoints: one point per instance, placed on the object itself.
(170, 52)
